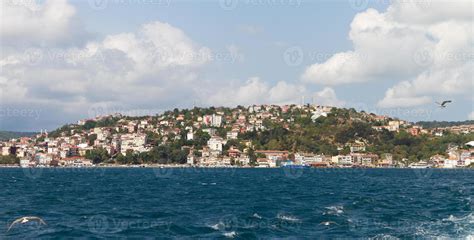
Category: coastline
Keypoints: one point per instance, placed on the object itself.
(207, 167)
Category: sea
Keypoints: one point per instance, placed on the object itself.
(237, 203)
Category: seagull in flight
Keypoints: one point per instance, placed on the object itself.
(24, 220)
(443, 104)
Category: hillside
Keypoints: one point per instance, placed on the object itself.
(314, 129)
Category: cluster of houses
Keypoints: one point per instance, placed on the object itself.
(131, 135)
(456, 159)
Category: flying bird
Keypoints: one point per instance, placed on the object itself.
(443, 104)
(24, 220)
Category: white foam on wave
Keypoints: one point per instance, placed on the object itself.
(255, 215)
(466, 219)
(462, 226)
(216, 226)
(383, 237)
(288, 218)
(230, 234)
(334, 210)
(205, 184)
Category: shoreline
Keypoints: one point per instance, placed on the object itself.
(208, 167)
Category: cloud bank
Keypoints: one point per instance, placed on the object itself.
(427, 48)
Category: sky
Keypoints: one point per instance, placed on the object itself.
(61, 61)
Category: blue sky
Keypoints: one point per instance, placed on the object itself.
(69, 60)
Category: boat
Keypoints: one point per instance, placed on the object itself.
(419, 165)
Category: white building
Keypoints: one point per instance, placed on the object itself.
(342, 159)
(190, 159)
(190, 135)
(24, 163)
(215, 143)
(308, 158)
(318, 113)
(450, 163)
(134, 142)
(232, 135)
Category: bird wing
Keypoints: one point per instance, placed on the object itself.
(41, 221)
(14, 223)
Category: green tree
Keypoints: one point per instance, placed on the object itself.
(97, 155)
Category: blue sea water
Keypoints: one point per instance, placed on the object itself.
(238, 203)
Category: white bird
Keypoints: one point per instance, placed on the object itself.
(24, 220)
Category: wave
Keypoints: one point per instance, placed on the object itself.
(383, 237)
(255, 215)
(288, 218)
(230, 234)
(216, 226)
(334, 210)
(466, 219)
(205, 184)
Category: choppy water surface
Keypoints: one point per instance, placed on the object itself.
(238, 203)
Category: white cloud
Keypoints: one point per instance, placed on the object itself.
(256, 91)
(429, 45)
(402, 95)
(27, 22)
(148, 70)
(155, 66)
(328, 97)
(471, 116)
